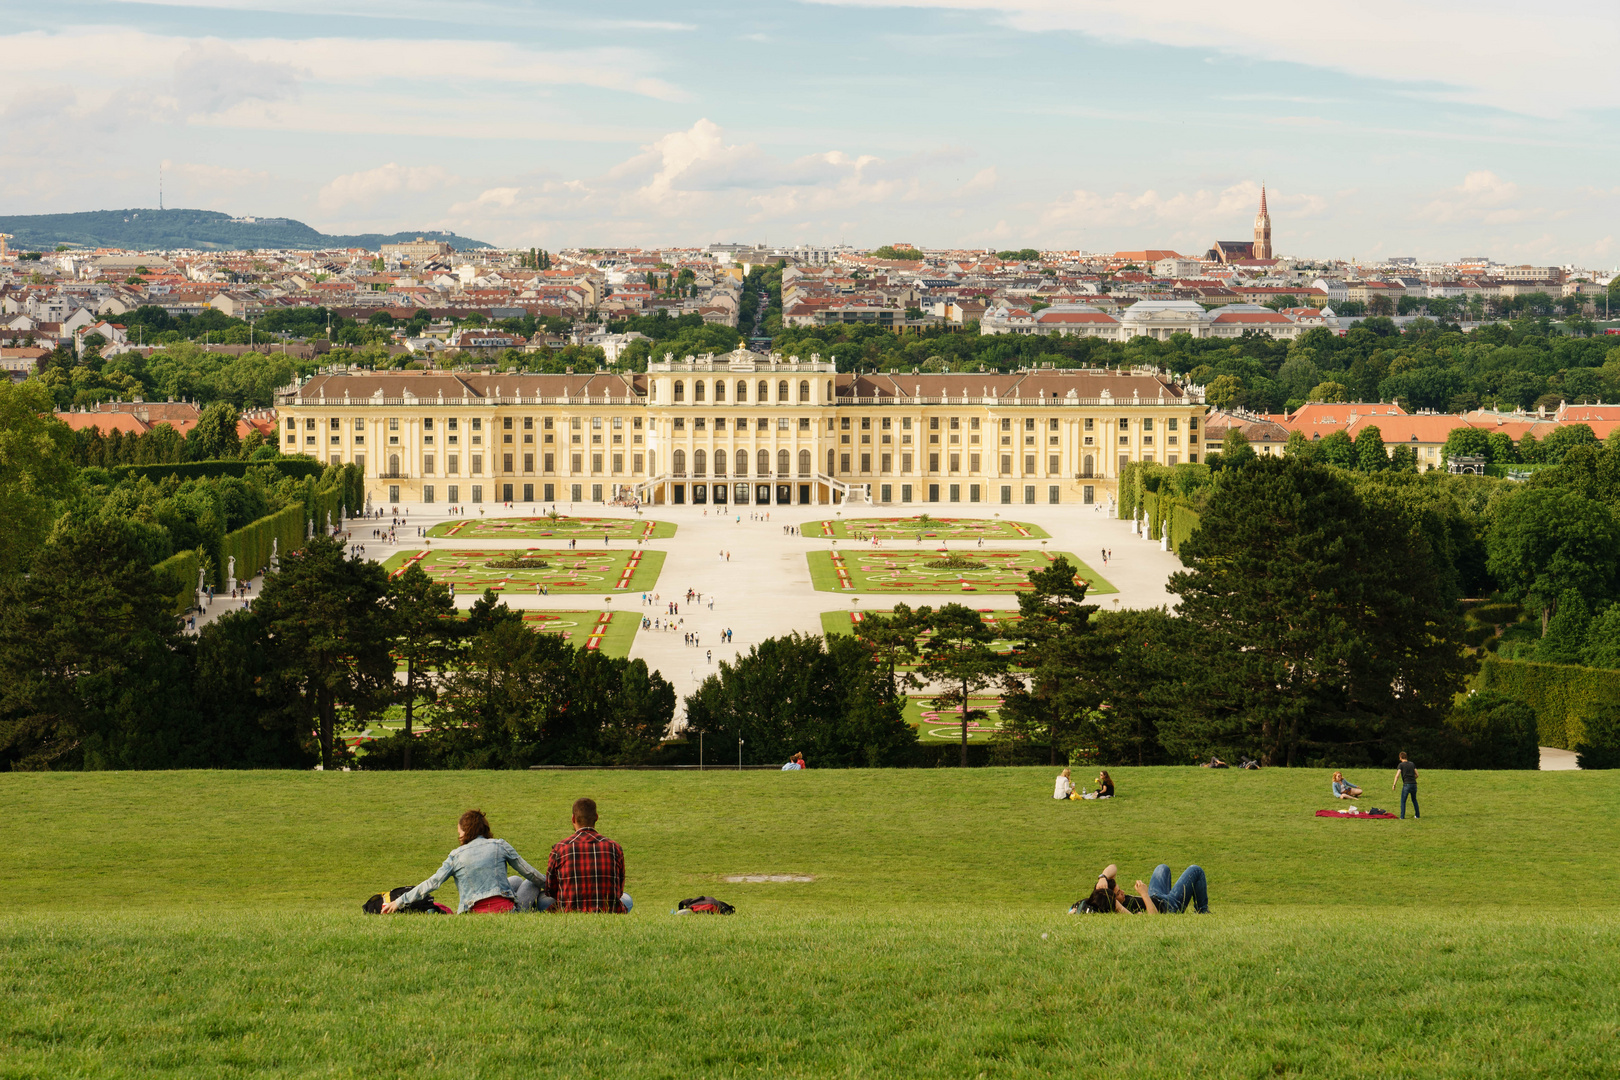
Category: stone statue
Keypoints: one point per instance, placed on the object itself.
(309, 530)
(329, 523)
(230, 573)
(275, 555)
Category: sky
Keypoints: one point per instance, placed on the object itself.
(1432, 128)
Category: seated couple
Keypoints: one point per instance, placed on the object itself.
(1157, 897)
(1064, 788)
(585, 873)
(1344, 789)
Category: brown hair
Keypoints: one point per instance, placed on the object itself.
(474, 824)
(1102, 777)
(1403, 755)
(585, 812)
(1102, 902)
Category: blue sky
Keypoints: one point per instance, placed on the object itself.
(1433, 128)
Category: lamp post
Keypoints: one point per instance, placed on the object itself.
(739, 755)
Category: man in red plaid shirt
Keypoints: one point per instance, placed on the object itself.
(586, 871)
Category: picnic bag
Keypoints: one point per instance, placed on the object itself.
(705, 905)
(427, 904)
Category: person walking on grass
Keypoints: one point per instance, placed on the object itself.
(1406, 776)
(479, 867)
(585, 873)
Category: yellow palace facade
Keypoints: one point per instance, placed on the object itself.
(741, 429)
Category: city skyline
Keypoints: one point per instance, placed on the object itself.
(954, 123)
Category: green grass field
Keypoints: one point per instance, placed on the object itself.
(585, 570)
(483, 530)
(208, 924)
(935, 528)
(900, 570)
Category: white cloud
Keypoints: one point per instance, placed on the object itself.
(1504, 53)
(371, 186)
(211, 77)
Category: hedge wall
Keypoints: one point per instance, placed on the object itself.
(1183, 523)
(297, 468)
(1561, 694)
(182, 569)
(251, 544)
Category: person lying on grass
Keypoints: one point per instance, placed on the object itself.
(1157, 896)
(586, 871)
(1106, 899)
(1344, 789)
(479, 867)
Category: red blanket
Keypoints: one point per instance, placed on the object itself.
(1348, 814)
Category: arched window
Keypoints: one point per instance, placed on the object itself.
(764, 392)
(782, 391)
(719, 390)
(829, 392)
(804, 391)
(680, 463)
(697, 390)
(680, 390)
(1087, 465)
(742, 389)
(699, 459)
(829, 463)
(783, 463)
(652, 463)
(719, 459)
(804, 463)
(764, 459)
(393, 464)
(742, 460)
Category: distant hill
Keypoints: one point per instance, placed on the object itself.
(209, 230)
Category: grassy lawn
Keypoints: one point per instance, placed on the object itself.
(208, 924)
(580, 571)
(899, 570)
(934, 528)
(481, 529)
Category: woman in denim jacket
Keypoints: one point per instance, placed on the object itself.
(479, 867)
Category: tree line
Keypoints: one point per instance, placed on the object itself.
(95, 672)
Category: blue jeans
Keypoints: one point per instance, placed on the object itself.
(1191, 885)
(530, 898)
(1409, 789)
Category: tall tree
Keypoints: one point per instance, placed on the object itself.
(1545, 541)
(36, 471)
(215, 437)
(1048, 694)
(93, 668)
(426, 630)
(892, 641)
(958, 656)
(328, 636)
(1332, 632)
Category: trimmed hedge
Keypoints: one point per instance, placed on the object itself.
(182, 570)
(1184, 521)
(251, 544)
(1563, 695)
(297, 468)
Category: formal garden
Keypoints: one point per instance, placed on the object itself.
(583, 570)
(552, 527)
(903, 570)
(925, 527)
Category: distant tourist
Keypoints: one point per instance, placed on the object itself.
(586, 871)
(1344, 789)
(1064, 788)
(1163, 898)
(1215, 763)
(479, 868)
(1406, 776)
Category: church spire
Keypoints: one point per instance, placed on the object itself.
(1262, 229)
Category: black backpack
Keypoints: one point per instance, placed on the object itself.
(425, 905)
(705, 905)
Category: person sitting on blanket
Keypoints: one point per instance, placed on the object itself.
(1105, 785)
(1064, 789)
(479, 867)
(1344, 789)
